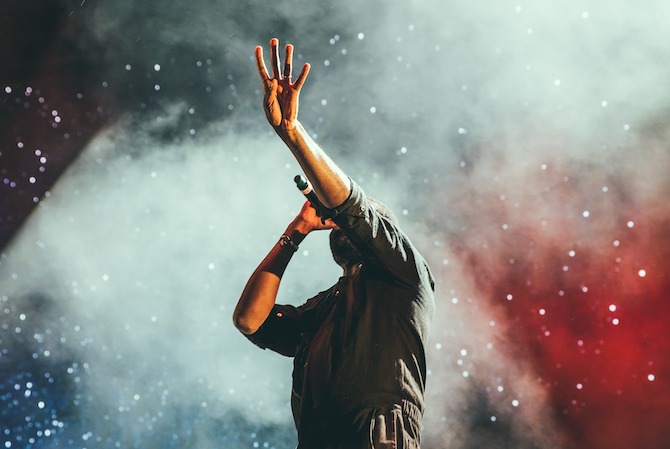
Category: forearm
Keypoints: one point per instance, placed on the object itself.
(259, 295)
(330, 183)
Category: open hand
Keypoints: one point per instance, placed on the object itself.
(280, 99)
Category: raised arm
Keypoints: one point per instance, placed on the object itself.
(281, 109)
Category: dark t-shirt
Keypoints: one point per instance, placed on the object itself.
(359, 344)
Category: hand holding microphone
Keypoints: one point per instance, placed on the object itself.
(306, 189)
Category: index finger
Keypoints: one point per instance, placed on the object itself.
(260, 64)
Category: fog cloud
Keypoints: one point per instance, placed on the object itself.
(501, 134)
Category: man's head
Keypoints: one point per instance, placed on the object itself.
(344, 252)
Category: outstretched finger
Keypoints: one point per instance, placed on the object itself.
(301, 78)
(260, 64)
(274, 57)
(288, 61)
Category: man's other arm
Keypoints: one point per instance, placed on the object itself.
(260, 293)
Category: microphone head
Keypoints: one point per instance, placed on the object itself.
(300, 182)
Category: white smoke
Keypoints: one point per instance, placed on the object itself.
(143, 247)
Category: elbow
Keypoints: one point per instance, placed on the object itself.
(244, 324)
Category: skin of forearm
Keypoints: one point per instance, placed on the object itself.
(260, 293)
(330, 183)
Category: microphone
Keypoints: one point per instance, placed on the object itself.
(306, 189)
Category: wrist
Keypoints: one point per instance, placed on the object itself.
(286, 241)
(290, 132)
(298, 230)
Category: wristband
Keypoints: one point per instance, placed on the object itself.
(285, 240)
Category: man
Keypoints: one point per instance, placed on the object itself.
(359, 364)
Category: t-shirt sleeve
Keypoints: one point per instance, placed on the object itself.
(281, 330)
(380, 240)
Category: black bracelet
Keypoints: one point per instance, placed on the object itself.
(285, 240)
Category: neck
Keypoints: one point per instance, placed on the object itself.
(350, 270)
